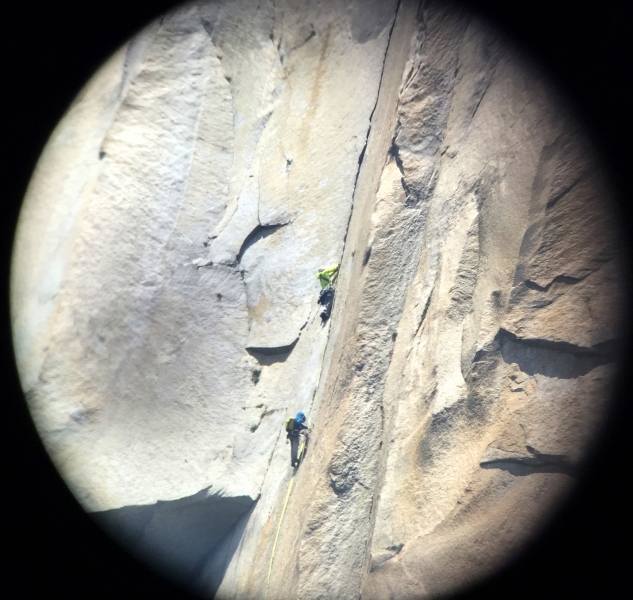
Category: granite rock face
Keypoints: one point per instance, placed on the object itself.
(164, 297)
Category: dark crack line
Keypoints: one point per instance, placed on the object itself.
(558, 279)
(272, 351)
(423, 315)
(554, 200)
(522, 466)
(604, 350)
(472, 116)
(371, 116)
(394, 151)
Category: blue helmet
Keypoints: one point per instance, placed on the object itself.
(300, 417)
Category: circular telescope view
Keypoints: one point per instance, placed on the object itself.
(319, 299)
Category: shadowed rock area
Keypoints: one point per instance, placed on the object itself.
(165, 315)
(178, 536)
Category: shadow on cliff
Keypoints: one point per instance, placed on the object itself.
(178, 538)
(554, 359)
(269, 356)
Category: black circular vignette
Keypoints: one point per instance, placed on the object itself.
(53, 547)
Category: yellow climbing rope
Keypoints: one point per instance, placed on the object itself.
(281, 518)
(334, 272)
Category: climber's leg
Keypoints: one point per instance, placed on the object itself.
(294, 447)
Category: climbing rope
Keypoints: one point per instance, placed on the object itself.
(283, 512)
(292, 479)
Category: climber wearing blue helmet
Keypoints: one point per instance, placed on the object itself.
(294, 428)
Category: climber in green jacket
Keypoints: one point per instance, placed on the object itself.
(327, 276)
(326, 297)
